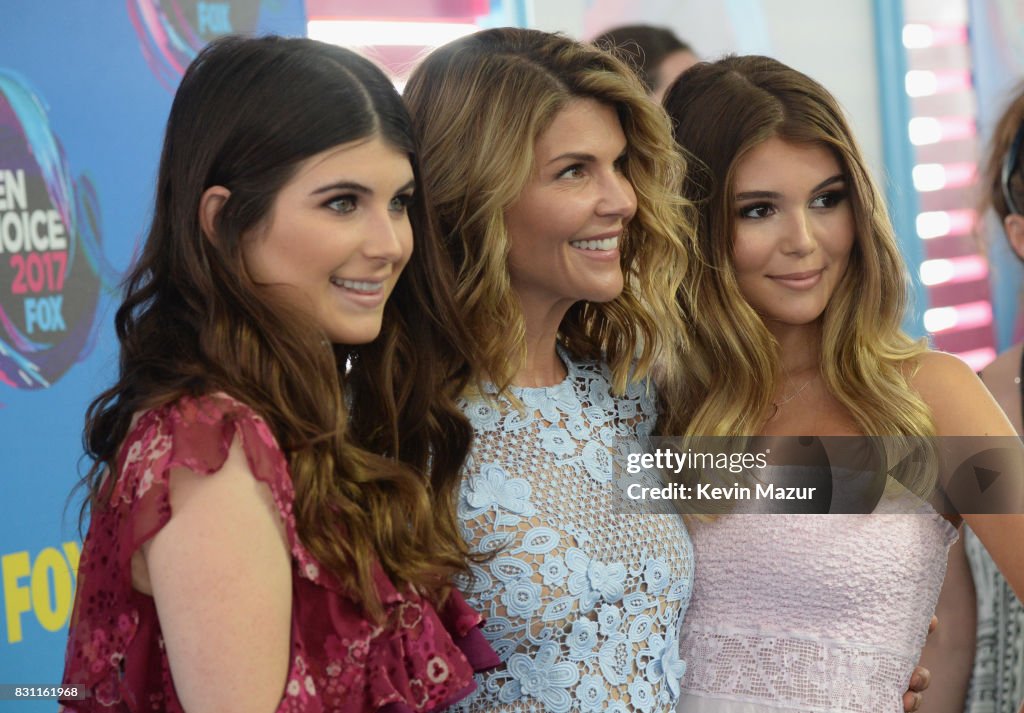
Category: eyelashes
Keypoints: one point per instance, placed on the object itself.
(756, 211)
(829, 199)
(401, 202)
(342, 204)
(573, 171)
(349, 202)
(766, 209)
(579, 169)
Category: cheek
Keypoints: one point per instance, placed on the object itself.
(254, 259)
(408, 243)
(845, 238)
(630, 191)
(523, 246)
(748, 254)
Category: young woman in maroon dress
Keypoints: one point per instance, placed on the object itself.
(272, 524)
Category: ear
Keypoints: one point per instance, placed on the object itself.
(210, 204)
(1014, 226)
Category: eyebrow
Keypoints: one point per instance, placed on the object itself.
(357, 187)
(573, 156)
(583, 157)
(772, 195)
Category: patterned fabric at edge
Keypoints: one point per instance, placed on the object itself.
(583, 597)
(339, 661)
(997, 679)
(810, 613)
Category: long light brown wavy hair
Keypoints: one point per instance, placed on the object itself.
(374, 473)
(479, 104)
(721, 111)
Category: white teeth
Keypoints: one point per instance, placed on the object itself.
(606, 244)
(357, 286)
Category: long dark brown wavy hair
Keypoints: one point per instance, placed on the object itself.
(372, 433)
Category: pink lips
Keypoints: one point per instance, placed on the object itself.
(799, 280)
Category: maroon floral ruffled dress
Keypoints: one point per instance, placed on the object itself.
(339, 660)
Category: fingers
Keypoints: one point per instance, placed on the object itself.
(933, 624)
(920, 680)
(911, 701)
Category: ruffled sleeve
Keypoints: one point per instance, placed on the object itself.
(340, 661)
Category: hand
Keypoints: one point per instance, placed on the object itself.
(919, 680)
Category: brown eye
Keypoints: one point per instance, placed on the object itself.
(757, 211)
(829, 199)
(574, 171)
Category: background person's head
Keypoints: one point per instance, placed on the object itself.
(1003, 176)
(485, 106)
(658, 55)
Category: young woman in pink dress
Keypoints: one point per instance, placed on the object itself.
(795, 311)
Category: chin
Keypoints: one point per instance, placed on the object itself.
(795, 320)
(602, 293)
(353, 335)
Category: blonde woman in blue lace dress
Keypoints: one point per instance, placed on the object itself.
(555, 182)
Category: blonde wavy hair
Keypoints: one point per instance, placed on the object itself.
(733, 365)
(479, 104)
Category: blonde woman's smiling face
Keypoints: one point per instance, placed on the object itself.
(565, 227)
(793, 230)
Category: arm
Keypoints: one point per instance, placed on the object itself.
(962, 406)
(949, 651)
(220, 572)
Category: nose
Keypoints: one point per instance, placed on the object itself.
(388, 237)
(618, 198)
(799, 239)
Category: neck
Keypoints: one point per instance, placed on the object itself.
(542, 366)
(799, 348)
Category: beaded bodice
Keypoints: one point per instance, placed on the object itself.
(583, 600)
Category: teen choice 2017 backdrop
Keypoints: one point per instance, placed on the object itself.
(84, 93)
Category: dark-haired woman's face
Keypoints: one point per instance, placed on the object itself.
(338, 237)
(794, 230)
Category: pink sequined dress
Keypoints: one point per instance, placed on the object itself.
(339, 660)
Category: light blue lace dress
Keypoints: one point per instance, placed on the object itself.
(584, 600)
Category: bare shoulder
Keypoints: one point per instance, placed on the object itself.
(939, 370)
(959, 401)
(1005, 367)
(1002, 377)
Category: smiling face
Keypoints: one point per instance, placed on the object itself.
(794, 230)
(565, 226)
(338, 237)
